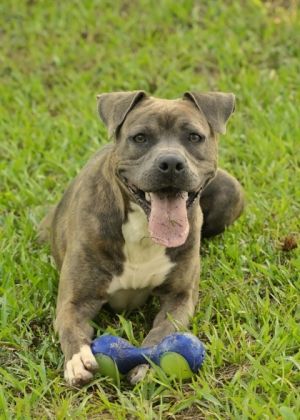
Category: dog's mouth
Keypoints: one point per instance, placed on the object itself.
(166, 210)
(144, 199)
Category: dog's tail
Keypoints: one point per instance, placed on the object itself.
(43, 234)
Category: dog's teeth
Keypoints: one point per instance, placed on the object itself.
(148, 197)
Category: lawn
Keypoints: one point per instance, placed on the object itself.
(55, 56)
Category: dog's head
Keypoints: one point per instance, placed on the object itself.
(165, 152)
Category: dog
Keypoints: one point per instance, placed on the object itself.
(129, 225)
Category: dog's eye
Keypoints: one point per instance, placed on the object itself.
(140, 138)
(196, 138)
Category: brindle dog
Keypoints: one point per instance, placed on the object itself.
(129, 225)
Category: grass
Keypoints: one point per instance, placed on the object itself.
(55, 57)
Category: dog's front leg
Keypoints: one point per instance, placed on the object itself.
(80, 297)
(175, 314)
(177, 307)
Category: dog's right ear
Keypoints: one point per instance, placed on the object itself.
(114, 107)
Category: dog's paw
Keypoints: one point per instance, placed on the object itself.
(137, 374)
(79, 370)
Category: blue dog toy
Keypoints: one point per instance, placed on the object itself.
(179, 355)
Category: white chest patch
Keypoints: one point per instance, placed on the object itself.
(146, 263)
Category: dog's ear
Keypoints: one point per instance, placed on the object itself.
(114, 107)
(216, 107)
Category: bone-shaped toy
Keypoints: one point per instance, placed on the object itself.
(179, 355)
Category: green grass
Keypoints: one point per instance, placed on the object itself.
(54, 58)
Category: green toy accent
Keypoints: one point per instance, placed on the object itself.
(107, 367)
(173, 364)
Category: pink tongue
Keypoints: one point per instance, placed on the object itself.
(168, 222)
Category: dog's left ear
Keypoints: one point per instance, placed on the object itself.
(114, 107)
(216, 107)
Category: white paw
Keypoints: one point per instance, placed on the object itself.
(137, 374)
(79, 370)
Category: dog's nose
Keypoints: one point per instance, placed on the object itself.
(171, 164)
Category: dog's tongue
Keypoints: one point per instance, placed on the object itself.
(168, 221)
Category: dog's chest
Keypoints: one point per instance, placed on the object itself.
(146, 263)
